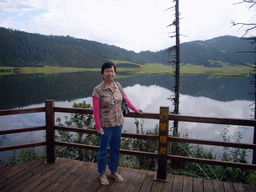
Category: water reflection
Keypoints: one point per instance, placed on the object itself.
(151, 98)
(24, 90)
(148, 95)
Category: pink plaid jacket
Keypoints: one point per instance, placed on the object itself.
(110, 105)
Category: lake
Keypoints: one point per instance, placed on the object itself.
(200, 95)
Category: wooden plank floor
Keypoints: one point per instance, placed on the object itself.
(71, 175)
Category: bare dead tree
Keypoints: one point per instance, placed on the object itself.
(242, 25)
(253, 81)
(176, 62)
(248, 26)
(177, 70)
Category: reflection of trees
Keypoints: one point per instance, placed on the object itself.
(2, 138)
(23, 90)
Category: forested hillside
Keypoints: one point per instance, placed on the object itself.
(225, 49)
(25, 49)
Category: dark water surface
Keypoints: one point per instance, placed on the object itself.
(23, 90)
(200, 95)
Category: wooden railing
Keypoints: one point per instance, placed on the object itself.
(163, 137)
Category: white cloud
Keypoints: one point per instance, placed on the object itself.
(134, 25)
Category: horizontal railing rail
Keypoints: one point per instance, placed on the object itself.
(171, 139)
(164, 117)
(23, 146)
(13, 131)
(212, 162)
(215, 143)
(22, 130)
(212, 120)
(21, 111)
(90, 131)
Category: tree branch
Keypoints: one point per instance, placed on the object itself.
(253, 2)
(245, 24)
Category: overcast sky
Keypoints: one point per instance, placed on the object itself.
(136, 25)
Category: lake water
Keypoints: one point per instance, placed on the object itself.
(200, 95)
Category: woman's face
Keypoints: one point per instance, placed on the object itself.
(109, 74)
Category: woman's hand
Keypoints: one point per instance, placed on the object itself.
(100, 131)
(139, 111)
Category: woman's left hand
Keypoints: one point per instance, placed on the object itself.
(100, 131)
(139, 111)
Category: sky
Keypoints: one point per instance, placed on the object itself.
(136, 25)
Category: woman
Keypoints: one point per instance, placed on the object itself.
(108, 116)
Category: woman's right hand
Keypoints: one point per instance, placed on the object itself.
(100, 131)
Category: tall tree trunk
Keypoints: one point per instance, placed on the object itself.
(254, 137)
(177, 71)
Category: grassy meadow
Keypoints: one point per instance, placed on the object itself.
(224, 69)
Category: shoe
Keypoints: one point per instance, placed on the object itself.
(104, 181)
(117, 177)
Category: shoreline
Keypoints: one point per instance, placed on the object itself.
(189, 69)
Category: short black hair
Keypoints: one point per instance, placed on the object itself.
(107, 65)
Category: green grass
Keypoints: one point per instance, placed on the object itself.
(156, 68)
(39, 70)
(225, 70)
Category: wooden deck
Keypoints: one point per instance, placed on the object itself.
(71, 175)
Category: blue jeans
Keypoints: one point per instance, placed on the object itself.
(111, 139)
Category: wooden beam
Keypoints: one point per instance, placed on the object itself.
(21, 111)
(77, 145)
(90, 131)
(50, 132)
(211, 162)
(212, 120)
(215, 143)
(14, 147)
(163, 143)
(12, 131)
(122, 151)
(73, 110)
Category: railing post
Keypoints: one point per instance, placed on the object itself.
(50, 132)
(163, 143)
(254, 151)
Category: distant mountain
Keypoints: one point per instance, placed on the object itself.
(26, 49)
(226, 49)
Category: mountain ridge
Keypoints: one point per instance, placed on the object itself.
(28, 49)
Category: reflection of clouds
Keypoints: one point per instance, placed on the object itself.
(152, 97)
(149, 99)
(23, 120)
(202, 106)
